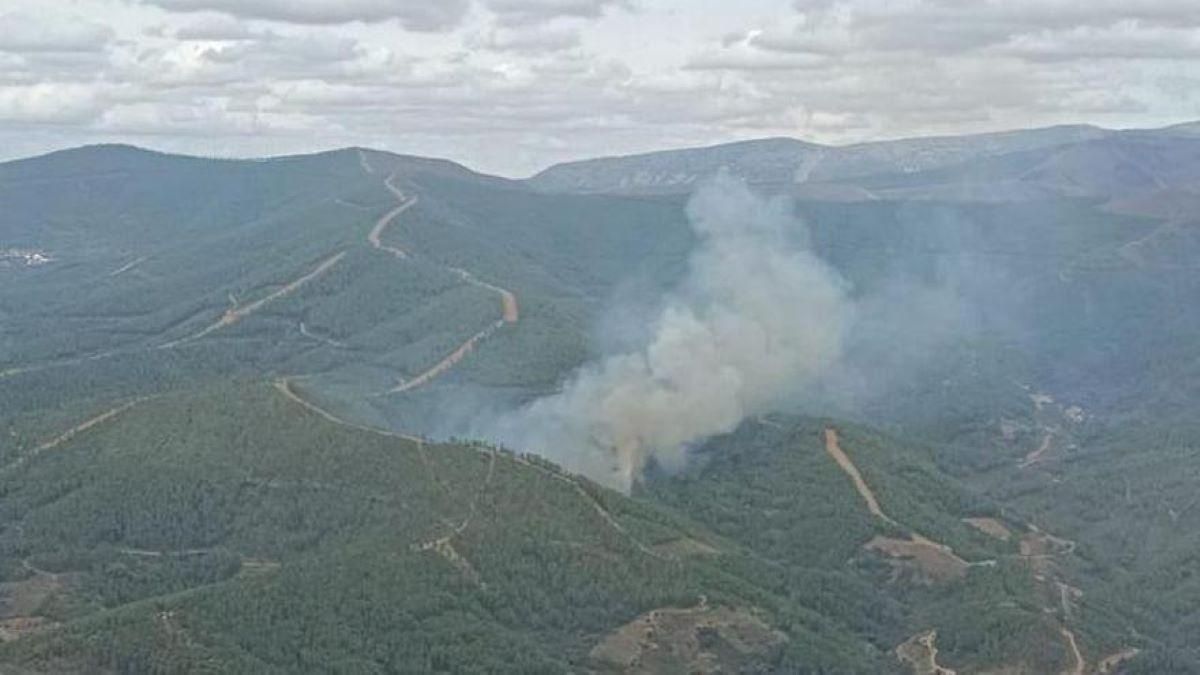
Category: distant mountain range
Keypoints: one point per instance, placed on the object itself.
(1069, 160)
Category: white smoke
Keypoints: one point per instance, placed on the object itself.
(756, 319)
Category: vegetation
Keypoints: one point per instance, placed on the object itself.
(218, 525)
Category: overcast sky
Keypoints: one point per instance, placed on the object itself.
(511, 86)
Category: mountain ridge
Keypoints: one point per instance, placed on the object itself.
(1077, 130)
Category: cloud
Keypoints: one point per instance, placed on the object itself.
(49, 104)
(415, 15)
(24, 33)
(214, 28)
(534, 40)
(525, 12)
(954, 26)
(1125, 41)
(748, 59)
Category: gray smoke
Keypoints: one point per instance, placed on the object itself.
(756, 319)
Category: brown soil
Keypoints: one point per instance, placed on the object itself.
(1039, 454)
(685, 547)
(20, 602)
(990, 527)
(920, 651)
(926, 560)
(699, 640)
(19, 627)
(1111, 663)
(447, 363)
(1080, 665)
(834, 448)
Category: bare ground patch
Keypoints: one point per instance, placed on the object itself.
(991, 527)
(700, 640)
(920, 558)
(21, 602)
(684, 547)
(920, 651)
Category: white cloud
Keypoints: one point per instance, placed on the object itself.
(48, 104)
(417, 15)
(536, 40)
(524, 12)
(215, 28)
(20, 32)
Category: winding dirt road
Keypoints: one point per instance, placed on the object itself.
(510, 309)
(1080, 664)
(285, 387)
(388, 218)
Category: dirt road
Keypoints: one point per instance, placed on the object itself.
(285, 387)
(71, 433)
(1039, 454)
(1080, 665)
(447, 363)
(934, 559)
(834, 448)
(236, 314)
(128, 266)
(510, 309)
(388, 218)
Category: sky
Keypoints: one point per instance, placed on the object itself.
(513, 86)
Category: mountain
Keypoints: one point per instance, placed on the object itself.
(233, 398)
(785, 161)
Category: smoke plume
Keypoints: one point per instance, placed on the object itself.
(756, 319)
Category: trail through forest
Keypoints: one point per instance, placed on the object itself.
(1080, 665)
(933, 558)
(834, 448)
(284, 387)
(71, 433)
(236, 314)
(510, 309)
(1038, 454)
(376, 232)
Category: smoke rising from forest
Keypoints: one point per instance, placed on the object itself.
(756, 318)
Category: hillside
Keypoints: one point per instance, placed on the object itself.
(233, 393)
(364, 269)
(243, 528)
